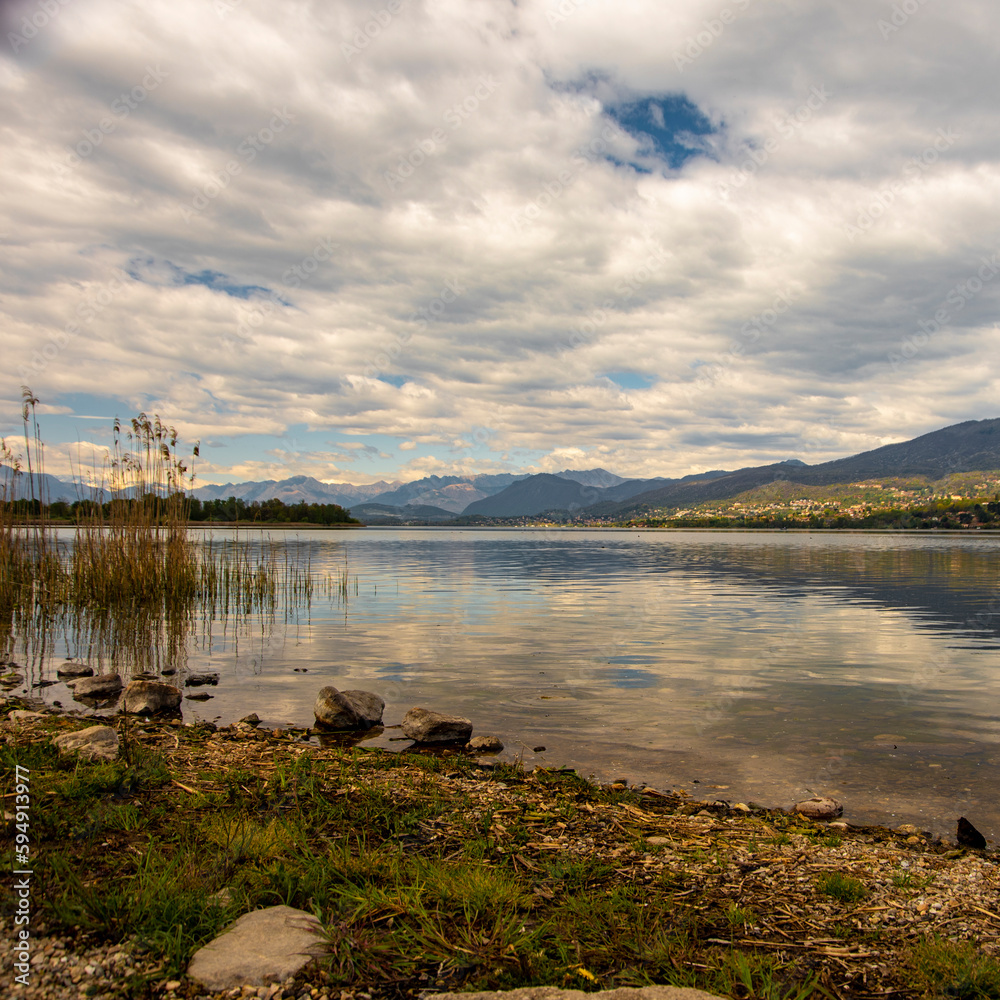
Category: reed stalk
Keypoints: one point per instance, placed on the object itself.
(132, 551)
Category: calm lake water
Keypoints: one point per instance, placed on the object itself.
(740, 666)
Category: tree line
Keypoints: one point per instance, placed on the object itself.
(223, 511)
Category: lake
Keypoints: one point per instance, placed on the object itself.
(744, 666)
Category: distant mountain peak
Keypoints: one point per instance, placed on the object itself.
(590, 477)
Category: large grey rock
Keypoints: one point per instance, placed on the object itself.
(554, 993)
(73, 669)
(266, 946)
(100, 687)
(819, 807)
(151, 697)
(95, 743)
(348, 709)
(425, 726)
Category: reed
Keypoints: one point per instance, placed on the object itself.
(30, 569)
(132, 550)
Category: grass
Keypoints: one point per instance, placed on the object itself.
(841, 887)
(954, 969)
(430, 874)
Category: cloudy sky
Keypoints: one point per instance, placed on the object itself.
(364, 240)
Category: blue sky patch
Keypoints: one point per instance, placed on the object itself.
(671, 128)
(629, 380)
(150, 271)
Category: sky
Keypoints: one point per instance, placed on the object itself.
(384, 240)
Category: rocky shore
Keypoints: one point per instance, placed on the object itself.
(524, 878)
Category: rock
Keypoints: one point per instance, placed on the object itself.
(221, 897)
(485, 744)
(22, 715)
(555, 993)
(95, 743)
(425, 726)
(262, 947)
(253, 719)
(969, 836)
(100, 687)
(151, 697)
(198, 680)
(819, 807)
(71, 669)
(348, 709)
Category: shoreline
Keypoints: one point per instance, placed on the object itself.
(650, 886)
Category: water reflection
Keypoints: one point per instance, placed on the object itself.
(740, 666)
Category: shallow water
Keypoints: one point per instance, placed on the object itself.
(750, 666)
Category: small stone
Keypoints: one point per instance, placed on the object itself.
(222, 897)
(199, 680)
(819, 807)
(907, 829)
(100, 687)
(174, 984)
(151, 697)
(95, 743)
(253, 719)
(425, 726)
(72, 669)
(23, 715)
(485, 744)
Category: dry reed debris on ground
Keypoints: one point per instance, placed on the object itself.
(433, 873)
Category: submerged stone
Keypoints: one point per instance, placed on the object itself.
(485, 744)
(99, 687)
(199, 680)
(73, 669)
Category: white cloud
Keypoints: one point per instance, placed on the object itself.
(482, 248)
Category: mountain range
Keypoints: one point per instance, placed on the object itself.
(594, 493)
